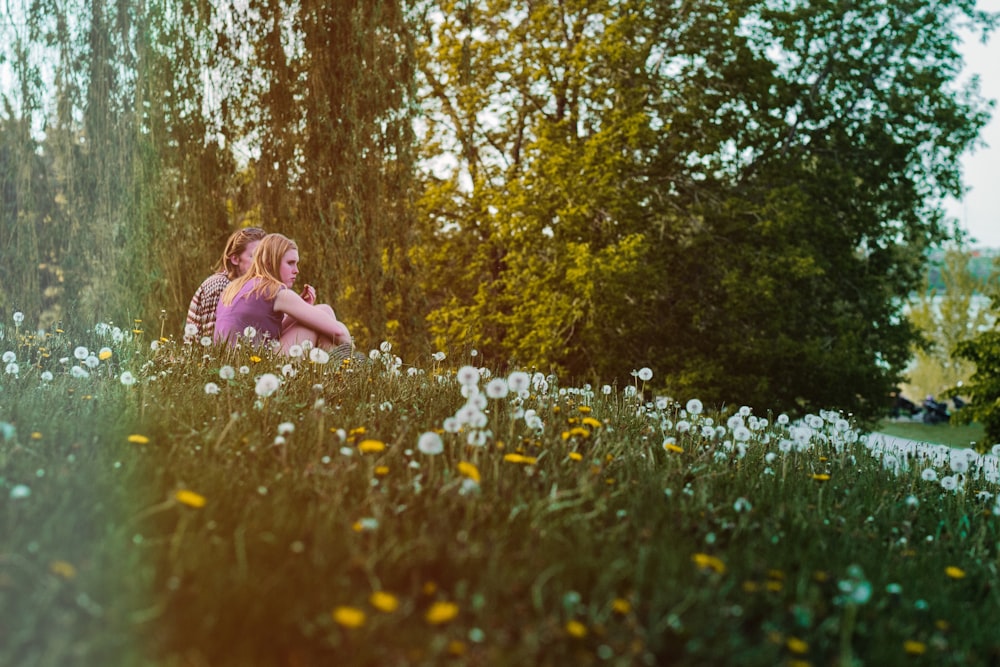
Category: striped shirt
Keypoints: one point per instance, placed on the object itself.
(201, 312)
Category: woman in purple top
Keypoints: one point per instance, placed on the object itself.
(262, 299)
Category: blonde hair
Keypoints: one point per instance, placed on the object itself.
(237, 243)
(266, 268)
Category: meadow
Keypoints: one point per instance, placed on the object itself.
(174, 504)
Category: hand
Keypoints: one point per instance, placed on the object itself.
(309, 294)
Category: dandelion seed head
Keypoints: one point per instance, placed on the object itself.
(211, 388)
(267, 384)
(430, 443)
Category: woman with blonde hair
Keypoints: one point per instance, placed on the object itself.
(261, 303)
(235, 261)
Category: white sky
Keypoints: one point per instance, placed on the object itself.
(979, 211)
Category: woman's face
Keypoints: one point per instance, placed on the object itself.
(289, 267)
(243, 260)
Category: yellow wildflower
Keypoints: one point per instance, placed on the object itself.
(441, 612)
(518, 458)
(348, 617)
(138, 439)
(621, 606)
(821, 477)
(576, 629)
(371, 446)
(913, 647)
(383, 601)
(63, 569)
(456, 647)
(468, 470)
(36, 435)
(796, 645)
(585, 409)
(706, 562)
(381, 471)
(576, 456)
(671, 447)
(954, 572)
(575, 431)
(104, 355)
(190, 498)
(591, 422)
(254, 358)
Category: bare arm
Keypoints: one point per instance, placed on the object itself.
(321, 320)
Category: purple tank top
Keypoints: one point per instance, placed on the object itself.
(247, 311)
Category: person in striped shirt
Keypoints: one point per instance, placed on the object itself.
(235, 261)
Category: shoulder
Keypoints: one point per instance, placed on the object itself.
(216, 281)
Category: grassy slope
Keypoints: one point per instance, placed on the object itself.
(943, 434)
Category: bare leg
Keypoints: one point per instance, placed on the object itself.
(296, 333)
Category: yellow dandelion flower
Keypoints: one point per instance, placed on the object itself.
(796, 645)
(441, 612)
(954, 572)
(381, 471)
(775, 574)
(518, 458)
(671, 447)
(576, 629)
(774, 586)
(371, 446)
(357, 431)
(104, 355)
(137, 331)
(254, 358)
(383, 601)
(591, 422)
(36, 435)
(706, 562)
(585, 409)
(429, 588)
(799, 663)
(138, 439)
(621, 606)
(821, 576)
(468, 470)
(556, 409)
(348, 617)
(942, 625)
(913, 647)
(63, 569)
(750, 587)
(456, 647)
(821, 477)
(576, 456)
(190, 498)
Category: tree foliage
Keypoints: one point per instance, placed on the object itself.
(945, 317)
(738, 193)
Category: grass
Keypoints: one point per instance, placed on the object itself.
(953, 435)
(167, 523)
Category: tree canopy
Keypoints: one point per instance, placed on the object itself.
(737, 193)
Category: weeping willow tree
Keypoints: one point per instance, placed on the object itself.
(137, 136)
(86, 154)
(318, 96)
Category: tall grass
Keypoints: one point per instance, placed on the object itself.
(315, 525)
